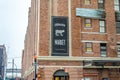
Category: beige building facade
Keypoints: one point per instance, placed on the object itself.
(73, 40)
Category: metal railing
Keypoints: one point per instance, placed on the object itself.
(13, 70)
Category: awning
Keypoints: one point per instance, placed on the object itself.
(60, 73)
(90, 13)
(106, 62)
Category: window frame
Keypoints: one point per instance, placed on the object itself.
(88, 24)
(102, 26)
(118, 50)
(89, 47)
(87, 2)
(103, 49)
(117, 5)
(117, 27)
(101, 2)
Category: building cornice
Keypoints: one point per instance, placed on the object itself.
(93, 41)
(94, 33)
(64, 58)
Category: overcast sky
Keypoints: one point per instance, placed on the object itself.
(13, 24)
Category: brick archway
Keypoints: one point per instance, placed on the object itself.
(60, 75)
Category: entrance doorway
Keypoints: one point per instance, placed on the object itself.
(60, 75)
(105, 79)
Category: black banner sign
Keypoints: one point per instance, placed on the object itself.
(60, 36)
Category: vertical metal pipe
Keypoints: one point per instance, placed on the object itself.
(35, 70)
(35, 66)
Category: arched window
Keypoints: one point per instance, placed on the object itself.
(60, 75)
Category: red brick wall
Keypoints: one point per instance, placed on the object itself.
(48, 72)
(44, 35)
(59, 7)
(111, 27)
(98, 74)
(75, 27)
(78, 37)
(62, 8)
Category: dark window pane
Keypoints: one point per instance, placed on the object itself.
(117, 24)
(118, 50)
(118, 30)
(103, 49)
(100, 6)
(118, 27)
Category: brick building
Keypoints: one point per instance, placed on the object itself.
(73, 40)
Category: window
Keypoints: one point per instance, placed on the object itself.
(118, 50)
(88, 23)
(87, 2)
(86, 78)
(117, 5)
(102, 26)
(87, 63)
(100, 4)
(88, 47)
(118, 27)
(103, 50)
